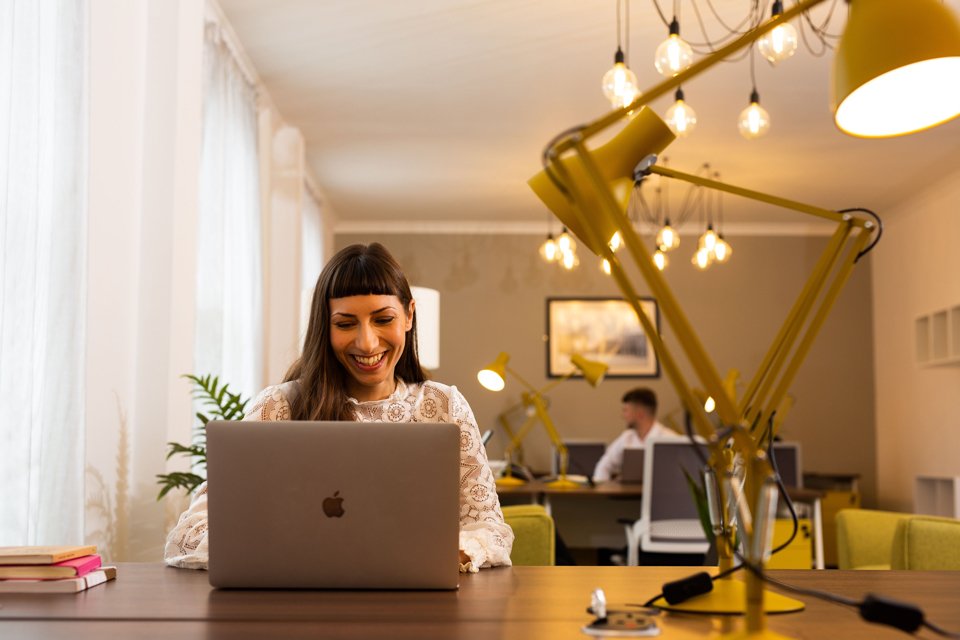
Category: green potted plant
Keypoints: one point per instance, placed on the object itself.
(218, 404)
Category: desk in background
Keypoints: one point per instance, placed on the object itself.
(150, 601)
(539, 493)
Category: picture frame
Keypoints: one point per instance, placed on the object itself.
(604, 329)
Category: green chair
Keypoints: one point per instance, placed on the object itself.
(926, 543)
(865, 538)
(533, 543)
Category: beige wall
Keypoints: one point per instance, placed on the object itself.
(916, 271)
(493, 291)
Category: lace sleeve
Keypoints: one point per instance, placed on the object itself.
(186, 545)
(484, 536)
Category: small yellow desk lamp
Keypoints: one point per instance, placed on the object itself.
(493, 377)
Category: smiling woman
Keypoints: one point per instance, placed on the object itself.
(360, 363)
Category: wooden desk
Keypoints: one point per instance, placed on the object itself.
(152, 601)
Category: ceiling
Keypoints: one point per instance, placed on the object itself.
(437, 110)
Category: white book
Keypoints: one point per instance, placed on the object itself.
(63, 585)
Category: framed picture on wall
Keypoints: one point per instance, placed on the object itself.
(604, 329)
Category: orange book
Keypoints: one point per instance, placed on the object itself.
(43, 555)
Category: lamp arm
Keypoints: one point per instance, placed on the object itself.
(565, 143)
(702, 364)
(529, 387)
(834, 216)
(517, 439)
(774, 358)
(541, 412)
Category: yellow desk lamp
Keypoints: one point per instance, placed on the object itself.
(894, 73)
(493, 377)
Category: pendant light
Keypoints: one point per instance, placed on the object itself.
(660, 260)
(779, 43)
(702, 259)
(619, 83)
(722, 250)
(667, 238)
(708, 240)
(680, 117)
(548, 250)
(896, 68)
(754, 120)
(674, 54)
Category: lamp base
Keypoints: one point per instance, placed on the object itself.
(729, 597)
(563, 483)
(510, 481)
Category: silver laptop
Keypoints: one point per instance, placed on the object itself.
(631, 472)
(333, 505)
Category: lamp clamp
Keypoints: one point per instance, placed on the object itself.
(642, 170)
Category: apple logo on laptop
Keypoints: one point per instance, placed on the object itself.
(333, 506)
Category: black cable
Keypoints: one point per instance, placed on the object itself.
(940, 631)
(722, 574)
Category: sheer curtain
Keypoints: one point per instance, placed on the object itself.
(311, 252)
(43, 153)
(229, 336)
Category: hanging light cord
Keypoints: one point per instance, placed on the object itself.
(753, 18)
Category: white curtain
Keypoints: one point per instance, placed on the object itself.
(43, 154)
(229, 336)
(311, 252)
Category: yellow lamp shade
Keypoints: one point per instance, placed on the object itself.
(643, 135)
(493, 376)
(896, 68)
(592, 370)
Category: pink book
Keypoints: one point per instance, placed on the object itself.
(73, 568)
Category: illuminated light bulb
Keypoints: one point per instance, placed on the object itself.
(708, 240)
(702, 259)
(680, 117)
(779, 43)
(569, 260)
(605, 266)
(722, 251)
(668, 238)
(709, 405)
(673, 55)
(616, 241)
(549, 250)
(754, 120)
(565, 242)
(660, 260)
(620, 83)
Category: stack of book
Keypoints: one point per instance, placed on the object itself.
(51, 569)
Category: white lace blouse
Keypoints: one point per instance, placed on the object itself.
(484, 537)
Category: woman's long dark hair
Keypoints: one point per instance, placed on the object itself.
(355, 271)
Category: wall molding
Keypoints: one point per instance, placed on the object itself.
(530, 227)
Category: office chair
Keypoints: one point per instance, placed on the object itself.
(669, 522)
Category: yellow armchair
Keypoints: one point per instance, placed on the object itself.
(533, 530)
(926, 543)
(865, 538)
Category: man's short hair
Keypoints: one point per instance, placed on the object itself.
(644, 397)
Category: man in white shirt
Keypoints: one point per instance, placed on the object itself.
(639, 411)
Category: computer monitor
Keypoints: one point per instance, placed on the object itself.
(582, 457)
(787, 457)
